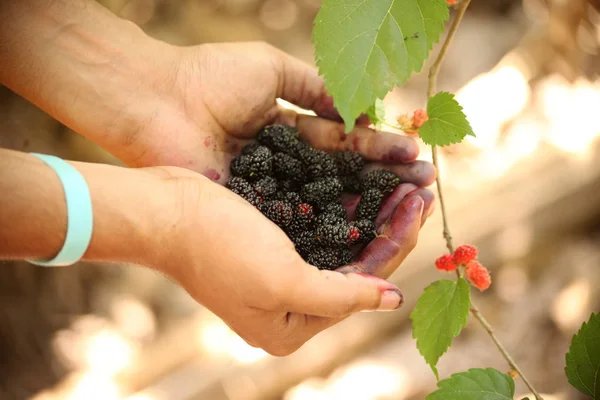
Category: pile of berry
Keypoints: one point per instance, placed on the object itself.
(300, 189)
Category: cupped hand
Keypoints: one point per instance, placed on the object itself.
(243, 267)
(217, 97)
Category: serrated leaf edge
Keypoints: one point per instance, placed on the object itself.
(487, 372)
(569, 356)
(451, 98)
(463, 323)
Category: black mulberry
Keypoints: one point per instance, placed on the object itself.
(287, 167)
(369, 204)
(382, 179)
(266, 187)
(253, 166)
(348, 162)
(243, 188)
(333, 235)
(291, 197)
(336, 209)
(328, 219)
(366, 229)
(278, 211)
(329, 258)
(322, 192)
(280, 138)
(318, 163)
(351, 183)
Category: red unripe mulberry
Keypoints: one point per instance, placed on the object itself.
(478, 275)
(465, 253)
(445, 263)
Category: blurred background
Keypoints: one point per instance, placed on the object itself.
(526, 191)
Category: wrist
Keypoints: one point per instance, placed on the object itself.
(129, 210)
(132, 215)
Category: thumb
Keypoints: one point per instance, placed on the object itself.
(335, 295)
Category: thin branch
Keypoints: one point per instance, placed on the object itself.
(447, 235)
(486, 325)
(437, 64)
(433, 75)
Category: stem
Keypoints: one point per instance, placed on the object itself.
(486, 325)
(433, 75)
(438, 180)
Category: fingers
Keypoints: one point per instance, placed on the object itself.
(373, 145)
(421, 173)
(396, 239)
(300, 84)
(350, 202)
(334, 295)
(395, 198)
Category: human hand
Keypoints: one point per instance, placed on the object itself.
(243, 267)
(150, 103)
(221, 95)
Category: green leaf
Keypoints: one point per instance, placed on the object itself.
(439, 316)
(376, 114)
(475, 384)
(583, 358)
(365, 47)
(447, 124)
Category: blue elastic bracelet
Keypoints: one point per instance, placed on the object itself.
(80, 219)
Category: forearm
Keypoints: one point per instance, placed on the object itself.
(94, 72)
(33, 213)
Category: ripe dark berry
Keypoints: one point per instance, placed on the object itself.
(351, 183)
(280, 138)
(305, 243)
(291, 197)
(369, 204)
(333, 235)
(318, 163)
(366, 228)
(463, 254)
(329, 258)
(287, 167)
(243, 188)
(322, 192)
(382, 179)
(445, 263)
(303, 218)
(336, 209)
(266, 187)
(278, 211)
(261, 161)
(253, 166)
(289, 185)
(239, 166)
(250, 148)
(328, 219)
(348, 162)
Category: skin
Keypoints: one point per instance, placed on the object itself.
(179, 115)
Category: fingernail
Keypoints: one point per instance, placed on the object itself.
(391, 300)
